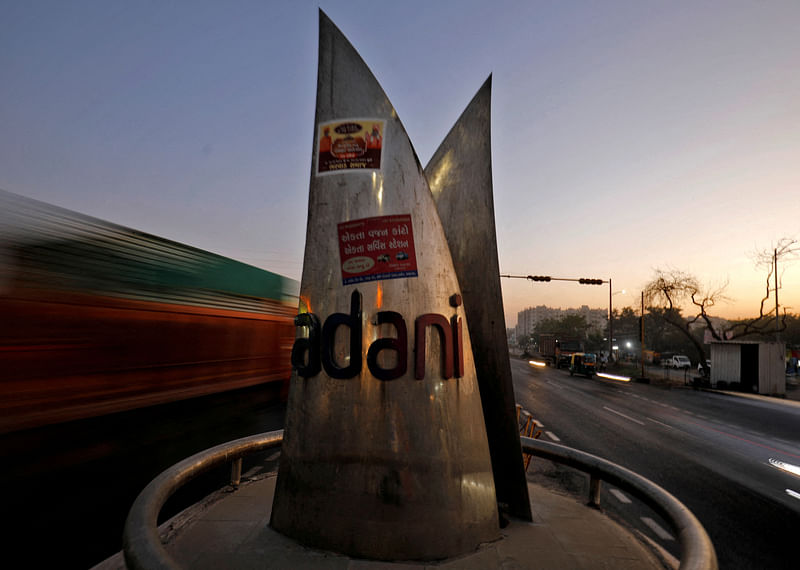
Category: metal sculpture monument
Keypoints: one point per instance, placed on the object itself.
(385, 453)
(460, 177)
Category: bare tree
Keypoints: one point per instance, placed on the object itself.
(787, 249)
(670, 290)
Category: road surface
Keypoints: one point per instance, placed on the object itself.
(729, 459)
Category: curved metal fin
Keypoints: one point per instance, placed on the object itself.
(460, 178)
(385, 453)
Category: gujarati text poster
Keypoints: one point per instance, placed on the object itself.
(350, 144)
(377, 248)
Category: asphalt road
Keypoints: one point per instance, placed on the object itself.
(723, 456)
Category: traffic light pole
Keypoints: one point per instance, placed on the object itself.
(582, 281)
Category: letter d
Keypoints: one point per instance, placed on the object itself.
(353, 322)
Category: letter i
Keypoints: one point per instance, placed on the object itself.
(458, 346)
(458, 339)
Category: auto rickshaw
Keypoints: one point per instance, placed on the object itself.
(583, 363)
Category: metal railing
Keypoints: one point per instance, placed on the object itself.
(697, 550)
(141, 543)
(143, 549)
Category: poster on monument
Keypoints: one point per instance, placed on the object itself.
(350, 144)
(377, 248)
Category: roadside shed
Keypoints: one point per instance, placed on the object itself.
(752, 366)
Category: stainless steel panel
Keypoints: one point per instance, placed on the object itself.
(384, 469)
(460, 177)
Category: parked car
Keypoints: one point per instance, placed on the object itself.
(700, 369)
(678, 361)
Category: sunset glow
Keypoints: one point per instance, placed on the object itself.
(626, 136)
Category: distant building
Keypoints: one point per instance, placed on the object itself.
(527, 319)
(511, 334)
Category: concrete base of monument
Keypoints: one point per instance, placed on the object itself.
(231, 530)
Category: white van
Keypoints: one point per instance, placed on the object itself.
(679, 361)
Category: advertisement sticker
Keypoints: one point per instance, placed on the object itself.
(377, 248)
(350, 144)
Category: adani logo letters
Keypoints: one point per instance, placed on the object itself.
(313, 352)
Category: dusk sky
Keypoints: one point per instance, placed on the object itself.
(626, 136)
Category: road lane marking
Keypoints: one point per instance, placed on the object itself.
(564, 388)
(660, 423)
(671, 562)
(744, 439)
(552, 436)
(620, 496)
(657, 528)
(623, 415)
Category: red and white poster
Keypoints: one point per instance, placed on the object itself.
(377, 248)
(350, 144)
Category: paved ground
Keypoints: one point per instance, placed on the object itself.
(677, 379)
(231, 531)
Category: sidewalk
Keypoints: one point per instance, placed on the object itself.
(231, 530)
(676, 379)
(792, 395)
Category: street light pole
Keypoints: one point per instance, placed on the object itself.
(610, 323)
(777, 314)
(641, 336)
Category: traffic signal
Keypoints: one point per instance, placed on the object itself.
(584, 281)
(539, 277)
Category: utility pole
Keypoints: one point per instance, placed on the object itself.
(610, 323)
(777, 315)
(641, 336)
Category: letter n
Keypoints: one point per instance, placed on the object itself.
(445, 343)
